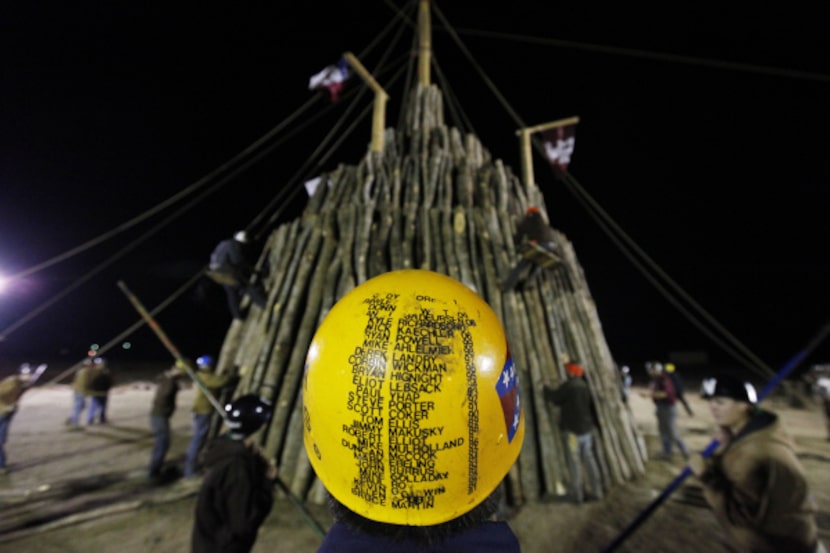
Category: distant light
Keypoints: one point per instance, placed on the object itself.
(126, 345)
(4, 283)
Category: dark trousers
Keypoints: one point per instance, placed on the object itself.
(161, 429)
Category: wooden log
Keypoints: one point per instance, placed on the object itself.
(290, 402)
(304, 320)
(284, 338)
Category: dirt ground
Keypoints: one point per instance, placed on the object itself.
(85, 490)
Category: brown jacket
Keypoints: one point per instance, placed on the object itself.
(99, 381)
(214, 383)
(11, 388)
(81, 381)
(758, 491)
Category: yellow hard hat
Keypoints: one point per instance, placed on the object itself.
(669, 367)
(411, 401)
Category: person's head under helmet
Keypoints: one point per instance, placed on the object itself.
(411, 410)
(205, 363)
(574, 369)
(654, 368)
(732, 400)
(245, 415)
(25, 373)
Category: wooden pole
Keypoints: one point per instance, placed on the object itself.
(551, 125)
(424, 43)
(379, 118)
(180, 360)
(526, 157)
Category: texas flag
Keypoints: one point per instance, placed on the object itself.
(508, 389)
(332, 78)
(559, 146)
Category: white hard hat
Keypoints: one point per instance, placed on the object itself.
(241, 236)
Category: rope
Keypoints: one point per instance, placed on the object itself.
(250, 150)
(499, 96)
(649, 268)
(310, 166)
(133, 327)
(585, 199)
(659, 56)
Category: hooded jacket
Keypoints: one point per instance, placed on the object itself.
(758, 491)
(574, 400)
(234, 499)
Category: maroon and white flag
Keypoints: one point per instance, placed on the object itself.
(559, 146)
(332, 78)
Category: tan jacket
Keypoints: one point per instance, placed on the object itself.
(11, 388)
(214, 383)
(758, 491)
(81, 381)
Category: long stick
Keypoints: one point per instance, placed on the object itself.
(183, 362)
(782, 374)
(314, 524)
(151, 322)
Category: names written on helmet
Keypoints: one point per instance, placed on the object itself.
(369, 365)
(395, 389)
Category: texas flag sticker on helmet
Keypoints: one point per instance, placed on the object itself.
(508, 390)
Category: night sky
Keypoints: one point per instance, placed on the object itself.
(703, 134)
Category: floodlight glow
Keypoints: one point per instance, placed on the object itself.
(4, 283)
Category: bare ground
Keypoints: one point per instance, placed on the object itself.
(85, 491)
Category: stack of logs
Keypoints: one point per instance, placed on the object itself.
(433, 199)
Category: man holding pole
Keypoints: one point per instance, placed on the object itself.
(202, 409)
(11, 389)
(164, 404)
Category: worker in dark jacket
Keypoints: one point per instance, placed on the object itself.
(237, 491)
(164, 404)
(230, 267)
(98, 389)
(532, 230)
(576, 421)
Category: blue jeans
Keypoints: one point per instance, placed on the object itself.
(161, 429)
(667, 426)
(580, 448)
(5, 422)
(78, 404)
(201, 426)
(97, 406)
